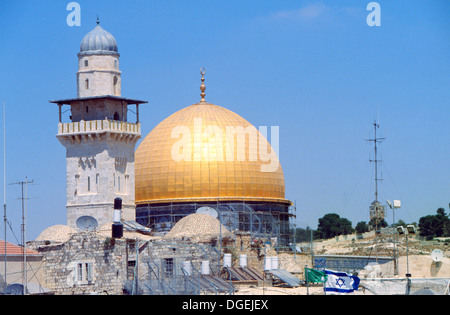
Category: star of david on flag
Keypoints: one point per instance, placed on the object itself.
(340, 282)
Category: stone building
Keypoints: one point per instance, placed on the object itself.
(95, 263)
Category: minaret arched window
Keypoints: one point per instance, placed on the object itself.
(115, 84)
(86, 63)
(97, 181)
(116, 116)
(87, 84)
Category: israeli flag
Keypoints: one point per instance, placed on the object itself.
(340, 282)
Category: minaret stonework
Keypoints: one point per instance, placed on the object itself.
(99, 139)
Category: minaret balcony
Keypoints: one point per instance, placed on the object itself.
(96, 129)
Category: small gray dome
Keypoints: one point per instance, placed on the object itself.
(98, 41)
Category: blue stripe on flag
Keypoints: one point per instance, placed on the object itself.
(336, 273)
(341, 282)
(339, 290)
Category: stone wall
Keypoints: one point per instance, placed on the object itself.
(92, 264)
(61, 265)
(100, 71)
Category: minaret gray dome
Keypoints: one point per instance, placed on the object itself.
(98, 41)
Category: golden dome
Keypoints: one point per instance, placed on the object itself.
(193, 156)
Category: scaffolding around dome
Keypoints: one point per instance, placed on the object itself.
(272, 222)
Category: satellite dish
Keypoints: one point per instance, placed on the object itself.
(437, 255)
(87, 223)
(208, 210)
(14, 289)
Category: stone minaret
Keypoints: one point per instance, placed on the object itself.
(99, 140)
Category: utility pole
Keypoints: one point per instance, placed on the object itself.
(23, 231)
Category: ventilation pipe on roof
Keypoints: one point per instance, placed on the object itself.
(117, 227)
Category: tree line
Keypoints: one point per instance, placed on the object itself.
(332, 225)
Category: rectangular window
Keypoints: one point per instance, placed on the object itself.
(79, 272)
(89, 183)
(168, 267)
(83, 273)
(89, 272)
(131, 269)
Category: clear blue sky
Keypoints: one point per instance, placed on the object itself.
(313, 68)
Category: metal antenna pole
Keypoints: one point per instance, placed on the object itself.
(23, 232)
(375, 140)
(376, 162)
(4, 180)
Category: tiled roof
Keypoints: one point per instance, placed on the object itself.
(15, 250)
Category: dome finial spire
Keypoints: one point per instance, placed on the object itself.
(202, 87)
(98, 21)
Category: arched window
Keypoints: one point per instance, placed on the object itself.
(77, 182)
(115, 84)
(97, 181)
(115, 64)
(127, 180)
(86, 63)
(116, 116)
(87, 84)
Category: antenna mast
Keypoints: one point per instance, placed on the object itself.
(377, 210)
(24, 241)
(375, 140)
(4, 179)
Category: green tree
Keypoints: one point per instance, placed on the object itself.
(303, 235)
(361, 227)
(380, 223)
(332, 225)
(435, 225)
